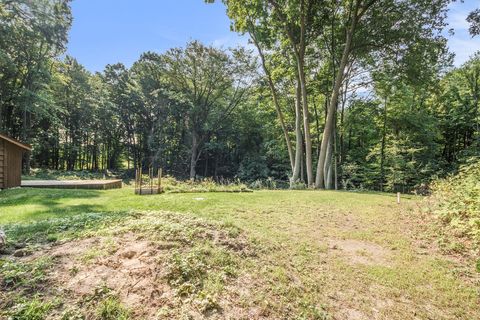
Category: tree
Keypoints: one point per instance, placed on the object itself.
(373, 27)
(210, 84)
(32, 34)
(474, 20)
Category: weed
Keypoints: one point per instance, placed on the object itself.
(207, 302)
(201, 267)
(34, 309)
(110, 308)
(91, 255)
(14, 274)
(309, 311)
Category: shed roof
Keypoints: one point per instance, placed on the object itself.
(16, 142)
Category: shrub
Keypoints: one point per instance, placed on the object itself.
(171, 185)
(268, 183)
(457, 202)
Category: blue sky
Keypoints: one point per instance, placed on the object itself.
(110, 31)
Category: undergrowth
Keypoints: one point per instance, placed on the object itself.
(46, 174)
(456, 203)
(172, 185)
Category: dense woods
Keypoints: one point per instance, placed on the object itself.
(331, 94)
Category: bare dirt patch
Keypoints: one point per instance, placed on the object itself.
(132, 270)
(135, 267)
(361, 252)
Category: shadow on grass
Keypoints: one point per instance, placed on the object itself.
(52, 215)
(47, 203)
(53, 229)
(25, 196)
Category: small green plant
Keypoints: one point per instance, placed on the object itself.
(111, 309)
(207, 302)
(29, 275)
(34, 309)
(91, 255)
(312, 312)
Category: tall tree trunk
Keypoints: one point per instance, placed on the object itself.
(328, 172)
(327, 132)
(306, 120)
(273, 91)
(335, 158)
(382, 150)
(194, 155)
(26, 139)
(298, 136)
(317, 124)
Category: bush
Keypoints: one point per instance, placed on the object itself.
(457, 202)
(268, 183)
(171, 185)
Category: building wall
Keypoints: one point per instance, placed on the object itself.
(10, 165)
(2, 163)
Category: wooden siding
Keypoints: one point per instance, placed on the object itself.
(14, 165)
(10, 164)
(2, 164)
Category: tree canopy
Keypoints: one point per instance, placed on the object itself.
(336, 94)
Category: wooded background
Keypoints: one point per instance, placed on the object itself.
(336, 94)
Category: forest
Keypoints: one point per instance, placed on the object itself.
(336, 95)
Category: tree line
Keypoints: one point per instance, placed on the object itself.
(335, 94)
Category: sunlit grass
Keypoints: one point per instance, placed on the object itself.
(296, 267)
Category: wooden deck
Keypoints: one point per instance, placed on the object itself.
(73, 184)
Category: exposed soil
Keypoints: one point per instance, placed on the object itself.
(362, 252)
(133, 267)
(133, 272)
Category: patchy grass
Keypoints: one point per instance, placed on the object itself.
(260, 255)
(34, 309)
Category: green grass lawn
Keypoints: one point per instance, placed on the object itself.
(260, 255)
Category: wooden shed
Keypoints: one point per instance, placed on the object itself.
(11, 153)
